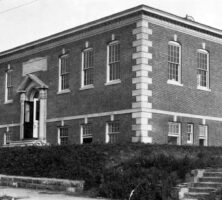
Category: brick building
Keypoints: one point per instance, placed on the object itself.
(141, 75)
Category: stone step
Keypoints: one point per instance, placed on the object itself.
(214, 170)
(201, 189)
(212, 174)
(210, 179)
(207, 184)
(196, 194)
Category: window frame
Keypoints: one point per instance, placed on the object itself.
(190, 141)
(60, 89)
(200, 87)
(108, 80)
(108, 133)
(173, 81)
(205, 137)
(59, 135)
(83, 85)
(8, 87)
(82, 133)
(178, 135)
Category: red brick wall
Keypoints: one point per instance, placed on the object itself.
(98, 127)
(186, 99)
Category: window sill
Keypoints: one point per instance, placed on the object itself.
(113, 82)
(203, 88)
(189, 142)
(8, 102)
(86, 87)
(64, 91)
(174, 83)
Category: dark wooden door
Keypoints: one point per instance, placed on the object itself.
(28, 120)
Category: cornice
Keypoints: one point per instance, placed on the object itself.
(108, 23)
(80, 36)
(182, 29)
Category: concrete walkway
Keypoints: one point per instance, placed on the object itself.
(19, 193)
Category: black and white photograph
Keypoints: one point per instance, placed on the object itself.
(110, 100)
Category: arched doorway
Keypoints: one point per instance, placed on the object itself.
(31, 115)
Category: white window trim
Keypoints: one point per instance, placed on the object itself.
(84, 87)
(59, 139)
(206, 135)
(175, 135)
(207, 88)
(174, 82)
(108, 81)
(191, 134)
(6, 88)
(60, 91)
(107, 133)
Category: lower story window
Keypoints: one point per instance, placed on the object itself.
(63, 136)
(190, 133)
(174, 133)
(7, 137)
(87, 133)
(203, 134)
(113, 132)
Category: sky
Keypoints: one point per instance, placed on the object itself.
(23, 21)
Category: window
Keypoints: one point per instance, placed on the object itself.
(64, 72)
(112, 132)
(86, 133)
(174, 133)
(202, 69)
(63, 135)
(174, 62)
(203, 135)
(8, 86)
(7, 137)
(113, 55)
(189, 133)
(87, 67)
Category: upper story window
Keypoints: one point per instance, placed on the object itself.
(8, 85)
(64, 72)
(202, 69)
(174, 63)
(112, 132)
(174, 133)
(87, 67)
(113, 59)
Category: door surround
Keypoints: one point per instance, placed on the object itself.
(32, 89)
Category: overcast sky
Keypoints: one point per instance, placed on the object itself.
(23, 21)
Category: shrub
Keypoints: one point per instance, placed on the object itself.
(114, 171)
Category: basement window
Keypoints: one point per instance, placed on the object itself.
(174, 133)
(86, 133)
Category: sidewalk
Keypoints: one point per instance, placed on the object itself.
(19, 193)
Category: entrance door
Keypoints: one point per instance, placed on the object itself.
(36, 118)
(31, 122)
(28, 122)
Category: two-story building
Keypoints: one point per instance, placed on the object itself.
(141, 75)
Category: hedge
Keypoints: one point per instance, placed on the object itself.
(113, 171)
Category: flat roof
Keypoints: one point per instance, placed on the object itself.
(138, 9)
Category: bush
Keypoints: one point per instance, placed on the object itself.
(114, 171)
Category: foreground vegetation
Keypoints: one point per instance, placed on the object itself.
(123, 171)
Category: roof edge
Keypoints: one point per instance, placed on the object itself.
(124, 13)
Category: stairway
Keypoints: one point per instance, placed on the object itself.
(24, 143)
(206, 181)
